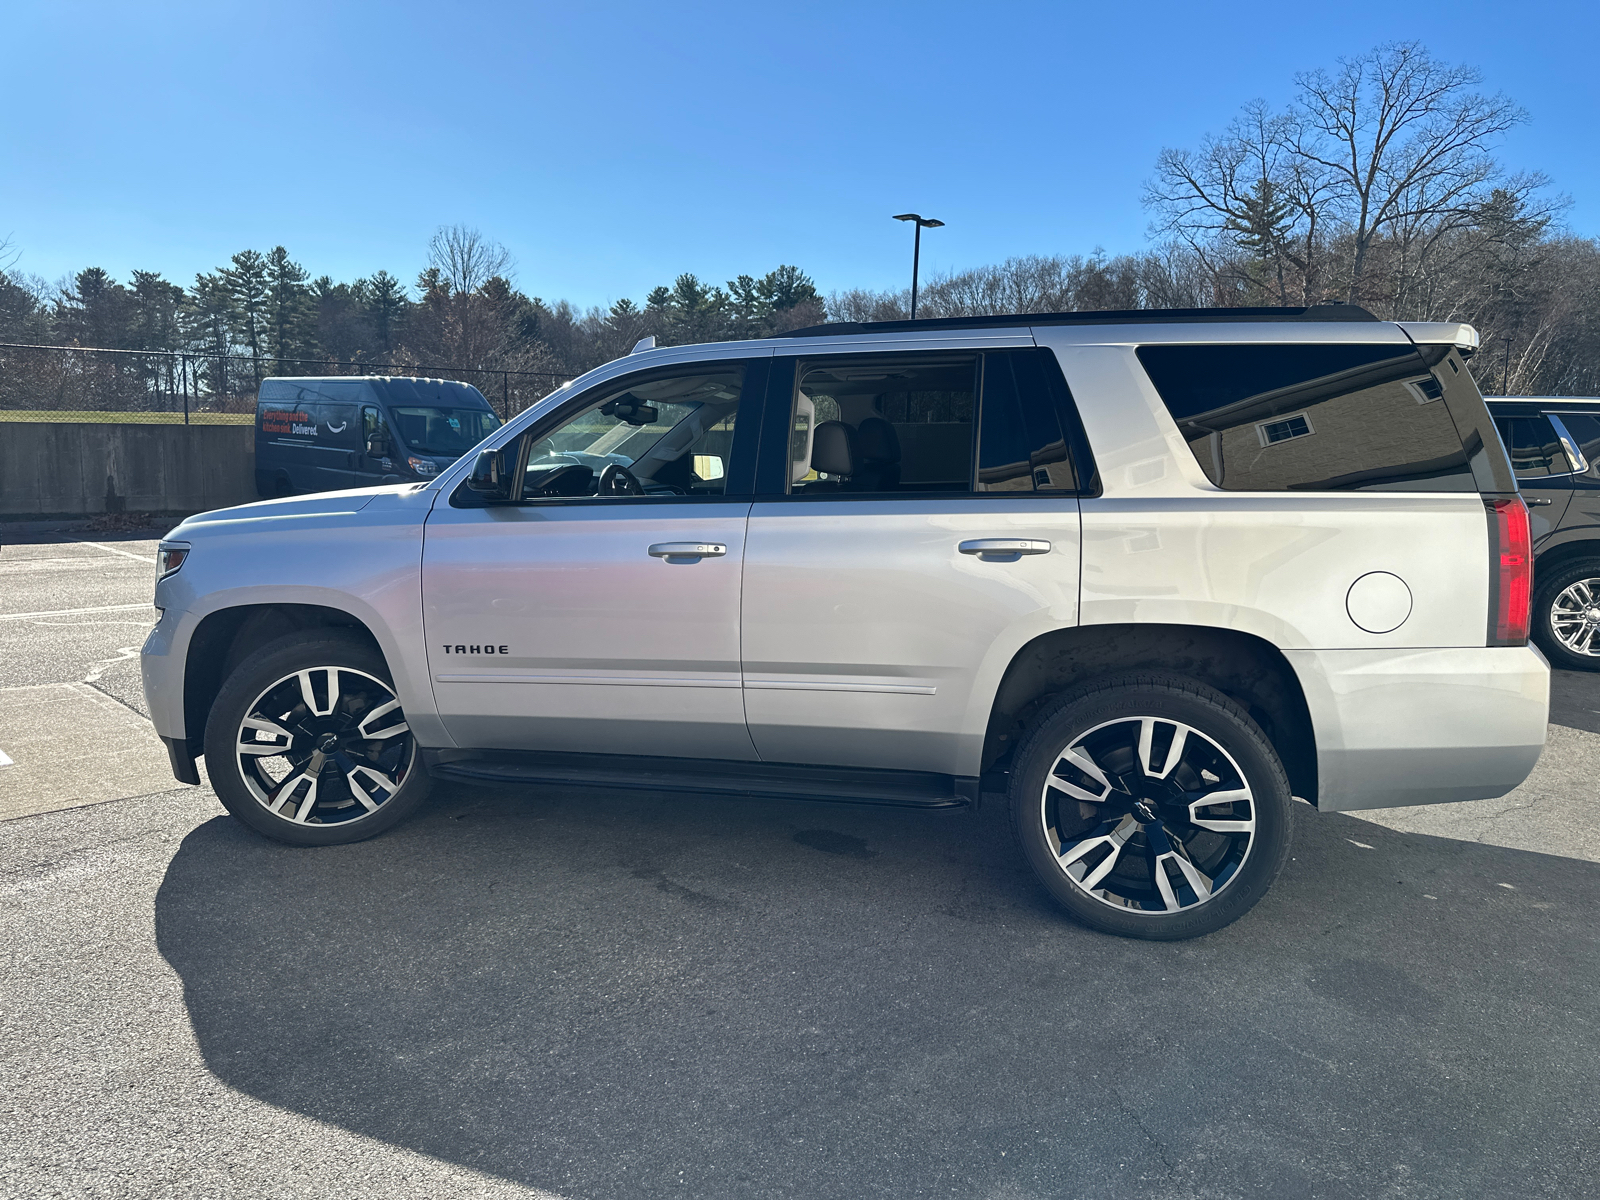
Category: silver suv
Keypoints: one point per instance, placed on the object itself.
(1151, 574)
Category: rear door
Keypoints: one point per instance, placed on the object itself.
(1543, 468)
(918, 523)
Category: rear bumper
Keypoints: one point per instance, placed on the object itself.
(1399, 727)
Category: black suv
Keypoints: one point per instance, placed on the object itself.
(1554, 442)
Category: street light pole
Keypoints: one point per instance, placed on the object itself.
(916, 250)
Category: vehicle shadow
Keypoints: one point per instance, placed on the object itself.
(614, 995)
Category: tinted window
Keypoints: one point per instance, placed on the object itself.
(900, 425)
(1311, 418)
(1021, 443)
(1534, 447)
(1585, 430)
(433, 430)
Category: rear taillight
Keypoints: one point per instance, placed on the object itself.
(1510, 572)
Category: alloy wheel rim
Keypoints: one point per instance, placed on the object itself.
(324, 746)
(1575, 617)
(1148, 814)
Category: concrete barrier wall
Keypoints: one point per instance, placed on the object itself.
(51, 469)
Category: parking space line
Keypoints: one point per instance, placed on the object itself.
(5, 759)
(125, 553)
(75, 612)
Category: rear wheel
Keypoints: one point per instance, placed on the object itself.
(1151, 806)
(307, 743)
(1566, 615)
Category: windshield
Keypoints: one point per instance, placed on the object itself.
(453, 431)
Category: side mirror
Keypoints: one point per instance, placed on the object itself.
(378, 445)
(491, 476)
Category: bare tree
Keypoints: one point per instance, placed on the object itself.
(1405, 142)
(465, 259)
(1389, 155)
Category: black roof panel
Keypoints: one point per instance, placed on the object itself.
(1132, 316)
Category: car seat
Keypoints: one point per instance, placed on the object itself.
(832, 453)
(877, 457)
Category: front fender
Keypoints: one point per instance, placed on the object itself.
(365, 563)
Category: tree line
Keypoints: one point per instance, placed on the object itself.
(1377, 185)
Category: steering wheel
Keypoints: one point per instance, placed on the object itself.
(617, 480)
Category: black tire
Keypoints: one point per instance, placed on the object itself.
(386, 770)
(1551, 588)
(1060, 834)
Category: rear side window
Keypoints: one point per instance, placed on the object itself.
(1022, 442)
(1585, 430)
(1534, 447)
(1311, 417)
(891, 425)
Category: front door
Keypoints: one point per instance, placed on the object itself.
(599, 611)
(928, 528)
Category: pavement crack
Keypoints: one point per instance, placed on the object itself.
(1138, 1119)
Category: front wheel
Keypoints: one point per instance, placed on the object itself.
(307, 743)
(1151, 806)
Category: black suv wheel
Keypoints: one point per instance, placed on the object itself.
(307, 743)
(1151, 806)
(1566, 614)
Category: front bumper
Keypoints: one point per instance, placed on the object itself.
(1401, 727)
(161, 670)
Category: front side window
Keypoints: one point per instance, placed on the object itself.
(659, 436)
(1312, 417)
(435, 430)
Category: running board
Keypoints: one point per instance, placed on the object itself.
(708, 777)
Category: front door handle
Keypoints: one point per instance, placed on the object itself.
(1004, 548)
(688, 550)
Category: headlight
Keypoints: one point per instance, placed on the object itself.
(422, 466)
(169, 559)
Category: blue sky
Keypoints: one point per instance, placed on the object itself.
(613, 146)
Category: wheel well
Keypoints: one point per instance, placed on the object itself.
(1247, 669)
(1564, 553)
(226, 637)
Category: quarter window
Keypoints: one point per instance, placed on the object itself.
(1311, 417)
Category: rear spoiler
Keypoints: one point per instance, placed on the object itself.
(1442, 333)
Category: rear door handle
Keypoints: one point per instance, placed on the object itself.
(1004, 547)
(1532, 503)
(688, 550)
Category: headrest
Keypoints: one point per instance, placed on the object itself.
(832, 448)
(877, 442)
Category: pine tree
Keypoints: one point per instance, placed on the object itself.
(156, 305)
(94, 310)
(210, 318)
(386, 305)
(246, 281)
(288, 307)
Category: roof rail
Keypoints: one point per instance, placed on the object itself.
(1131, 316)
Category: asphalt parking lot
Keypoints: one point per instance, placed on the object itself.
(606, 994)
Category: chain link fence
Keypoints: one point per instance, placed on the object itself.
(89, 384)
